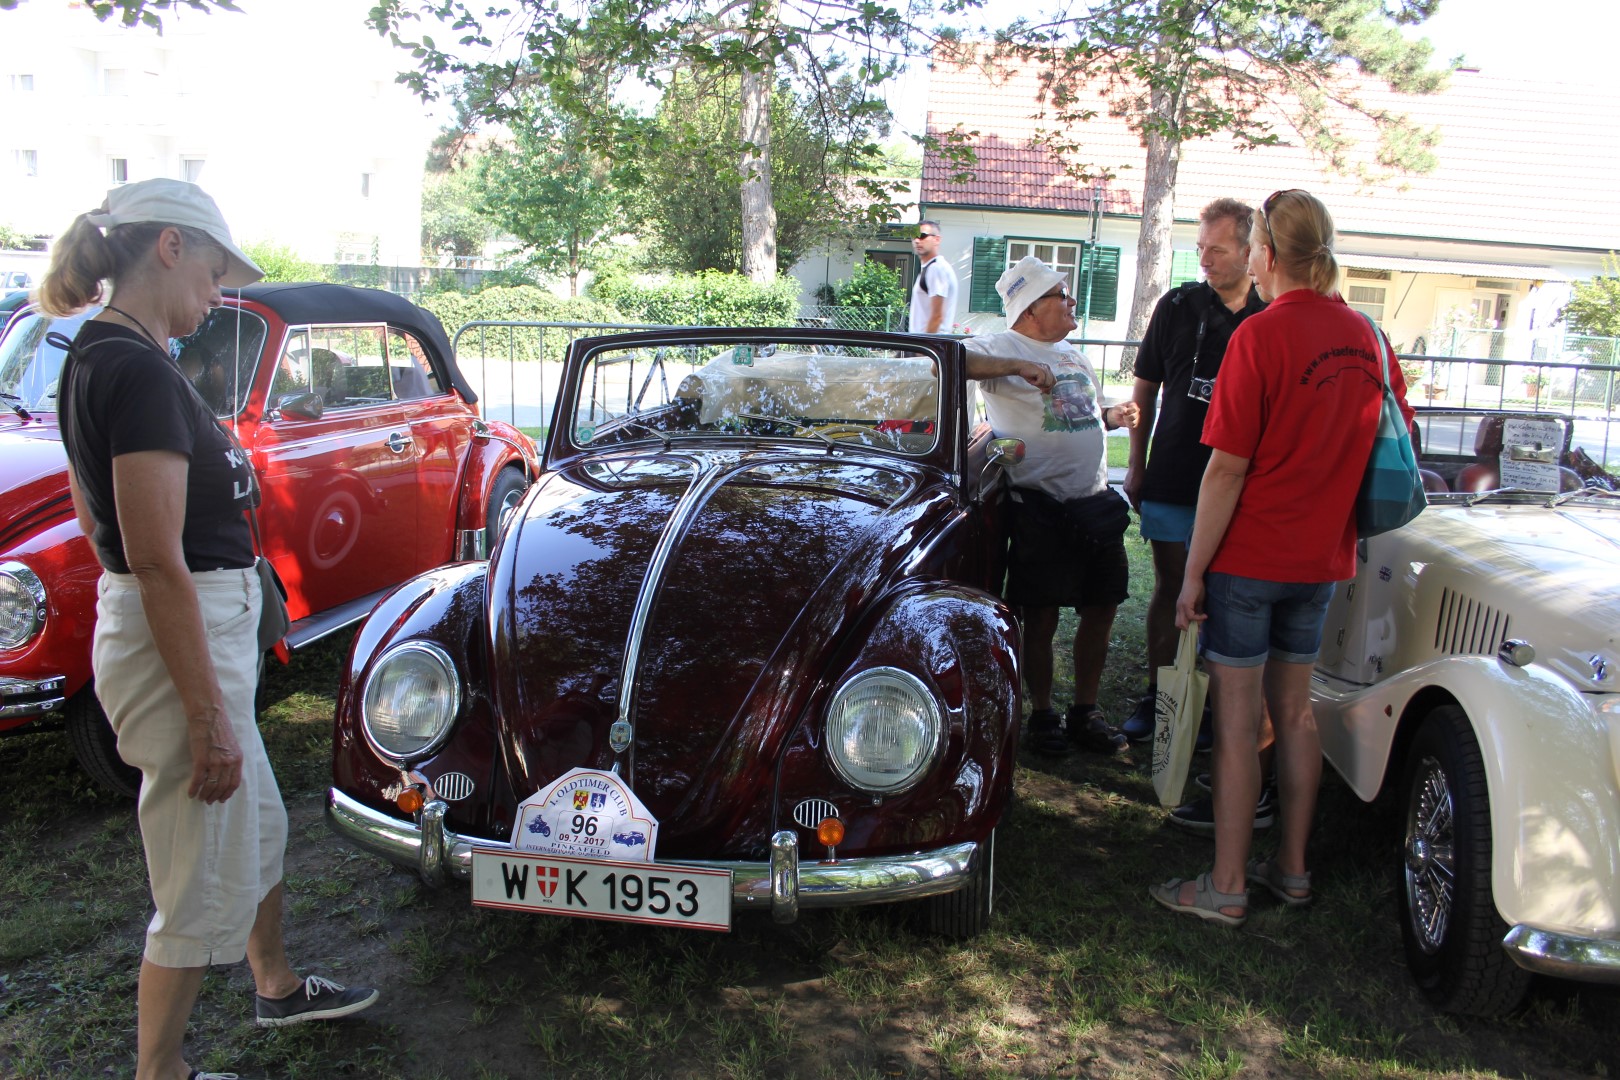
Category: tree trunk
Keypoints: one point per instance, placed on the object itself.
(758, 209)
(1153, 240)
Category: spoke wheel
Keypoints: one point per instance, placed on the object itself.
(1449, 922)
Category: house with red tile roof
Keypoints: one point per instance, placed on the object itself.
(1473, 258)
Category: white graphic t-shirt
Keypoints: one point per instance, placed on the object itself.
(1062, 430)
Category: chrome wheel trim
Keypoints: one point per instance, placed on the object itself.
(1430, 871)
(509, 504)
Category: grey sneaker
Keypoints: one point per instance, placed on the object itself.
(317, 999)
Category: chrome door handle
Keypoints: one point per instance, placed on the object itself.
(398, 443)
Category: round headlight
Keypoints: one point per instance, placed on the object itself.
(22, 604)
(410, 699)
(883, 728)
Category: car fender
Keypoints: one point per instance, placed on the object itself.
(61, 555)
(1552, 767)
(504, 446)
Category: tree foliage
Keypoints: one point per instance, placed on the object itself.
(551, 190)
(451, 220)
(1594, 304)
(1182, 70)
(688, 194)
(141, 12)
(583, 55)
(281, 263)
(709, 298)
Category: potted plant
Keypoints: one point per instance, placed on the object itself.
(1534, 383)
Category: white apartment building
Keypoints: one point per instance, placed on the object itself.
(287, 113)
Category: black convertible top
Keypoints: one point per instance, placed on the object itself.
(319, 302)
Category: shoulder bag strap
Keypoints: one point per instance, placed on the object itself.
(1383, 353)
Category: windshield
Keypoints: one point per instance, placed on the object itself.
(828, 394)
(219, 358)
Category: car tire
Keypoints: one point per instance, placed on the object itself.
(96, 747)
(1452, 932)
(965, 913)
(504, 495)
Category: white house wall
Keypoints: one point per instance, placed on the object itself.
(287, 106)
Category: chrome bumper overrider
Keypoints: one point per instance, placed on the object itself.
(31, 697)
(783, 884)
(1564, 956)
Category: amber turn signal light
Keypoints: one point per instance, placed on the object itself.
(830, 832)
(410, 800)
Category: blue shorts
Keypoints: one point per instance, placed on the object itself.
(1251, 620)
(1167, 521)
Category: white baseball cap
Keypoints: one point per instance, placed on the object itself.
(1025, 282)
(177, 202)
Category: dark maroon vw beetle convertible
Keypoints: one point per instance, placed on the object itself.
(739, 648)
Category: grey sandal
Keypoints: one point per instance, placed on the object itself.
(1207, 903)
(1284, 887)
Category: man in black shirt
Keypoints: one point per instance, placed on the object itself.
(1181, 354)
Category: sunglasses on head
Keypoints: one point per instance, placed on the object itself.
(1265, 213)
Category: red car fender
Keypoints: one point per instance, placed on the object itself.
(62, 557)
(505, 446)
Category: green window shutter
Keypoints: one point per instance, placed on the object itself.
(989, 260)
(1104, 282)
(1183, 268)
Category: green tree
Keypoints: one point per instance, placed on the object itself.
(281, 263)
(452, 221)
(1182, 70)
(1594, 304)
(577, 54)
(554, 193)
(688, 194)
(144, 12)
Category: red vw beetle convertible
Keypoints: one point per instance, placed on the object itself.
(373, 461)
(739, 648)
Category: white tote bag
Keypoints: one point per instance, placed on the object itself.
(1177, 714)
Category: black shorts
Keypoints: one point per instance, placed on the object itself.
(1050, 564)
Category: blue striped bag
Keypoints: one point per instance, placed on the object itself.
(1391, 488)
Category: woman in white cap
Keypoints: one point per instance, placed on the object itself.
(161, 490)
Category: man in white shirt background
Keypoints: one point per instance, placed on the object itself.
(933, 295)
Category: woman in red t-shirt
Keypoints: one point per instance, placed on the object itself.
(1292, 420)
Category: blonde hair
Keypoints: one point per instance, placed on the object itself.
(1299, 231)
(84, 257)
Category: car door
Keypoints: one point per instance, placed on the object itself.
(441, 429)
(340, 498)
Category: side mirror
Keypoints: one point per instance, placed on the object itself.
(303, 406)
(1001, 453)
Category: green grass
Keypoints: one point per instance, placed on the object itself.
(1081, 975)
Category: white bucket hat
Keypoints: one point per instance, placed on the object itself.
(1025, 282)
(177, 202)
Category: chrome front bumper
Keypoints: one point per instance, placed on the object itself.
(783, 884)
(31, 697)
(1564, 956)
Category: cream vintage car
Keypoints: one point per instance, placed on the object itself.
(1472, 669)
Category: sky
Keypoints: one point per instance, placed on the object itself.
(1555, 40)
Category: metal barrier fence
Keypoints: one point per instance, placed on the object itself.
(516, 367)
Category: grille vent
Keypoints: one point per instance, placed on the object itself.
(453, 786)
(812, 812)
(1467, 627)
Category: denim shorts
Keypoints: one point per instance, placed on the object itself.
(1251, 620)
(1167, 521)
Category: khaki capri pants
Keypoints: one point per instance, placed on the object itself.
(210, 865)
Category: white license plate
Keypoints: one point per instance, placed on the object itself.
(598, 889)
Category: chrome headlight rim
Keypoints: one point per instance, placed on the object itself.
(925, 761)
(452, 680)
(33, 589)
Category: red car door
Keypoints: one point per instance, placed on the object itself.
(441, 428)
(341, 490)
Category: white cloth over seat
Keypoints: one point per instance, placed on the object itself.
(815, 387)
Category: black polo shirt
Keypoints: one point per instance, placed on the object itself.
(1189, 322)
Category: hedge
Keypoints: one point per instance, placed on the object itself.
(519, 303)
(707, 298)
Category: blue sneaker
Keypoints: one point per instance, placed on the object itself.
(1138, 727)
(1198, 816)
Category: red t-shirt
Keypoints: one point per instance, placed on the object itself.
(1298, 396)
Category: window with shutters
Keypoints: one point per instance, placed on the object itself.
(1082, 263)
(1183, 268)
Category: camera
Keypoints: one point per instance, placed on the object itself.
(1201, 389)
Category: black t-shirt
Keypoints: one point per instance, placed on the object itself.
(1176, 454)
(120, 395)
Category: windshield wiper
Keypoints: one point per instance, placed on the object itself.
(1563, 497)
(662, 436)
(16, 405)
(793, 425)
